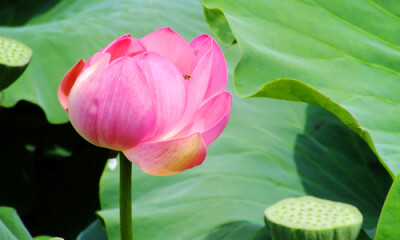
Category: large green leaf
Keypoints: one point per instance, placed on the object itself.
(389, 224)
(11, 227)
(342, 55)
(74, 29)
(241, 177)
(270, 150)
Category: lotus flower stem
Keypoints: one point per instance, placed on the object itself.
(125, 198)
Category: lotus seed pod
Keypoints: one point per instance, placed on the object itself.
(14, 58)
(311, 218)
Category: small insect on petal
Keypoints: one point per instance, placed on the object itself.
(187, 76)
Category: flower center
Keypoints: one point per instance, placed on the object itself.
(187, 76)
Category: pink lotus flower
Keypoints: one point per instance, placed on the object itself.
(159, 100)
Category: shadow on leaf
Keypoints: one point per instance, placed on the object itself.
(335, 163)
(19, 12)
(48, 173)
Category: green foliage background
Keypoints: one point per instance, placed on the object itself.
(333, 55)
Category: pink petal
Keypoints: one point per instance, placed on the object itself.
(168, 89)
(168, 157)
(85, 98)
(95, 59)
(126, 114)
(211, 119)
(67, 82)
(198, 84)
(196, 89)
(124, 46)
(206, 49)
(171, 45)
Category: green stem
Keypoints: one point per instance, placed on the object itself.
(125, 198)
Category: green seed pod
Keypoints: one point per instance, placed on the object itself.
(311, 218)
(14, 58)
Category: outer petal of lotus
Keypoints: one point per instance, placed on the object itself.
(85, 97)
(170, 156)
(204, 46)
(168, 89)
(126, 113)
(211, 119)
(124, 46)
(68, 82)
(172, 46)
